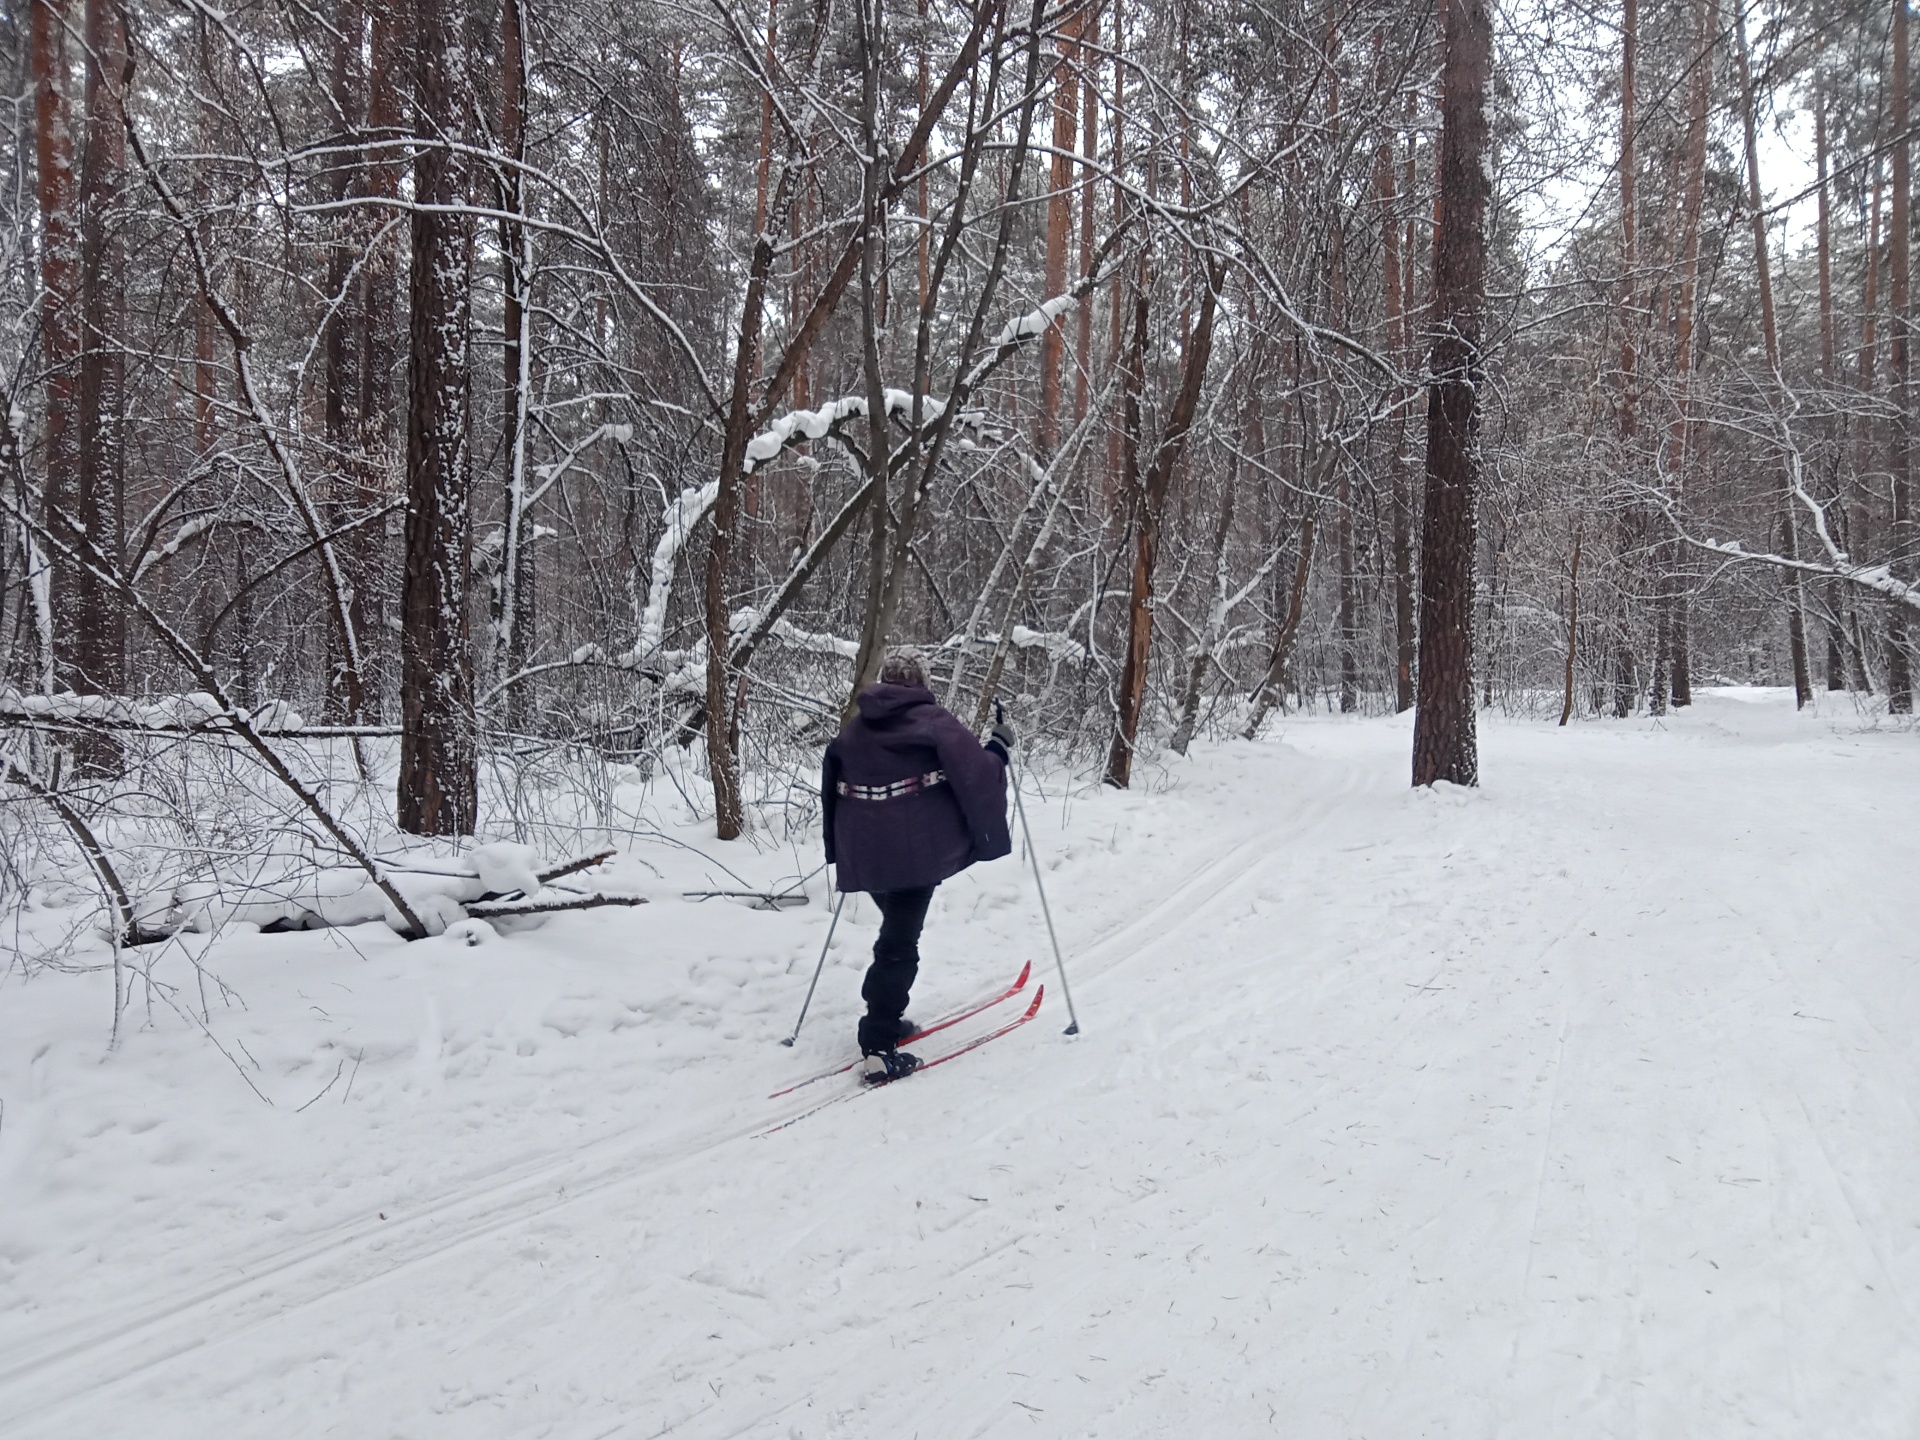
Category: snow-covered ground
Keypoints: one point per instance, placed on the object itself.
(1581, 1105)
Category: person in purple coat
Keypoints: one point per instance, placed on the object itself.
(909, 797)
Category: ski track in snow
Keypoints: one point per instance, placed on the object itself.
(1582, 1105)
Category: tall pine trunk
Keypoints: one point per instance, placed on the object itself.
(60, 314)
(1347, 622)
(1627, 412)
(1066, 108)
(516, 602)
(101, 649)
(1444, 742)
(1900, 364)
(1770, 334)
(383, 310)
(1829, 371)
(438, 788)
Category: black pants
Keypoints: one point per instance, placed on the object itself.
(896, 960)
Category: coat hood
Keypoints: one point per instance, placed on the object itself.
(885, 705)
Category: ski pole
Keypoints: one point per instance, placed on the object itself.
(831, 926)
(1073, 1019)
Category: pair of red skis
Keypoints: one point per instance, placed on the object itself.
(945, 1023)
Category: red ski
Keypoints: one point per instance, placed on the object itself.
(1019, 984)
(953, 1054)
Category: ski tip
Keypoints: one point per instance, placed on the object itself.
(1026, 973)
(1034, 1008)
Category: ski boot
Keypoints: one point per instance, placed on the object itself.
(884, 1066)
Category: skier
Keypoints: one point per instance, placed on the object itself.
(909, 797)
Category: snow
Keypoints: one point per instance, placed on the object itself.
(677, 522)
(1584, 1104)
(1034, 322)
(744, 620)
(504, 867)
(159, 711)
(799, 425)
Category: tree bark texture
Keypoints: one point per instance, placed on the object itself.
(1445, 745)
(1628, 532)
(517, 570)
(1900, 359)
(60, 327)
(438, 787)
(1770, 334)
(101, 620)
(1066, 107)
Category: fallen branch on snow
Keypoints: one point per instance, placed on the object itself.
(491, 909)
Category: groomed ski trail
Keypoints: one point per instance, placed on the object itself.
(1551, 1109)
(39, 1382)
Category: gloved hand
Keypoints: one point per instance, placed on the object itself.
(1001, 735)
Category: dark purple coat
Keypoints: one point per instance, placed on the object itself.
(920, 838)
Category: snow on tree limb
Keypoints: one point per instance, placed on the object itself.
(677, 525)
(797, 427)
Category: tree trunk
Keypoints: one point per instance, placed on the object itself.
(1444, 742)
(1201, 661)
(1393, 296)
(1770, 333)
(1628, 534)
(349, 490)
(438, 786)
(873, 627)
(729, 811)
(103, 367)
(1066, 109)
(515, 619)
(1267, 693)
(1120, 479)
(1829, 363)
(83, 320)
(1681, 434)
(1573, 628)
(1151, 501)
(383, 307)
(1900, 364)
(1347, 625)
(1090, 139)
(1347, 622)
(60, 328)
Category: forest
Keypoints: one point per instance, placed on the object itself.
(591, 591)
(427, 420)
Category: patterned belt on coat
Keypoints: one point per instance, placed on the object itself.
(912, 785)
